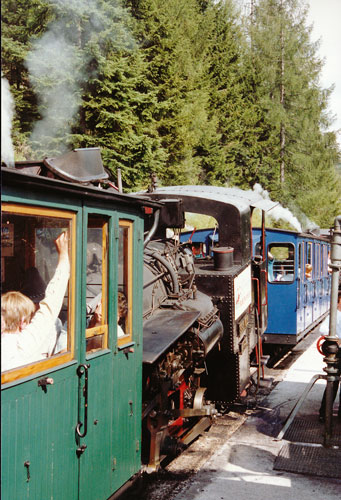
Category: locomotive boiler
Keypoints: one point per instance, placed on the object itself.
(181, 328)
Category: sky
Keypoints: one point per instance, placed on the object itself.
(325, 15)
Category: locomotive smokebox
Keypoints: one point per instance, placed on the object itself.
(223, 258)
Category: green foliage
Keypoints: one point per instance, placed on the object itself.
(182, 89)
(20, 21)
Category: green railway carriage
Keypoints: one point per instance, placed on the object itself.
(71, 422)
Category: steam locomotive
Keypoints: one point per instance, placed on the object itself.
(123, 387)
(136, 387)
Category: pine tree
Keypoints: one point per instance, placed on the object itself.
(20, 21)
(232, 101)
(293, 103)
(172, 43)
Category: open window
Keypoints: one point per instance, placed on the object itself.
(125, 283)
(281, 262)
(28, 263)
(97, 284)
(309, 262)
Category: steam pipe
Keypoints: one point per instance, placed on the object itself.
(331, 339)
(168, 266)
(153, 228)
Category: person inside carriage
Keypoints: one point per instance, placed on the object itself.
(25, 326)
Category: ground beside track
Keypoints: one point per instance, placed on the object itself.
(176, 477)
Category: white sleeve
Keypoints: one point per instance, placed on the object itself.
(34, 335)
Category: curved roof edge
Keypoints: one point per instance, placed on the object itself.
(232, 196)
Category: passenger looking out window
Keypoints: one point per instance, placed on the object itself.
(97, 283)
(26, 327)
(308, 271)
(95, 309)
(122, 310)
(281, 262)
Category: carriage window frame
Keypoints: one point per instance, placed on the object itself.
(103, 329)
(317, 261)
(309, 273)
(291, 249)
(325, 261)
(300, 259)
(56, 360)
(128, 280)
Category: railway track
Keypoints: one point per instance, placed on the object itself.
(177, 475)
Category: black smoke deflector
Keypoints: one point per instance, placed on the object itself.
(79, 165)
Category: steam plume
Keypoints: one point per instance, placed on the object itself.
(61, 63)
(7, 110)
(278, 212)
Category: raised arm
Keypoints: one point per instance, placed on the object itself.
(34, 335)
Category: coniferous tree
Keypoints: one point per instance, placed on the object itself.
(170, 37)
(232, 101)
(293, 103)
(20, 22)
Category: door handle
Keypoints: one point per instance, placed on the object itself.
(83, 370)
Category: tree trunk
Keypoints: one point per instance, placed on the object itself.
(282, 95)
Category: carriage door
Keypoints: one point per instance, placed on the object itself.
(39, 385)
(317, 282)
(109, 427)
(309, 285)
(127, 397)
(301, 295)
(95, 372)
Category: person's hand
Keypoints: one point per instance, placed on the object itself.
(62, 245)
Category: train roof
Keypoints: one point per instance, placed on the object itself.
(242, 200)
(26, 177)
(231, 207)
(315, 234)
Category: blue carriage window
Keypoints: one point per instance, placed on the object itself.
(281, 262)
(36, 310)
(309, 262)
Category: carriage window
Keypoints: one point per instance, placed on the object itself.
(326, 261)
(32, 337)
(125, 274)
(309, 263)
(281, 262)
(300, 258)
(318, 262)
(321, 261)
(96, 284)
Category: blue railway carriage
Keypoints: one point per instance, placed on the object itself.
(71, 417)
(298, 283)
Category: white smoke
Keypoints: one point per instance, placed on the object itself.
(278, 212)
(51, 60)
(59, 62)
(7, 111)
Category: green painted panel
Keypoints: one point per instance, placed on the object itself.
(127, 418)
(38, 428)
(127, 390)
(95, 462)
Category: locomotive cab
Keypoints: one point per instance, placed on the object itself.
(234, 281)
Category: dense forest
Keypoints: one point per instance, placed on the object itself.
(191, 90)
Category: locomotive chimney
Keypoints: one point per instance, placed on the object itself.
(223, 258)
